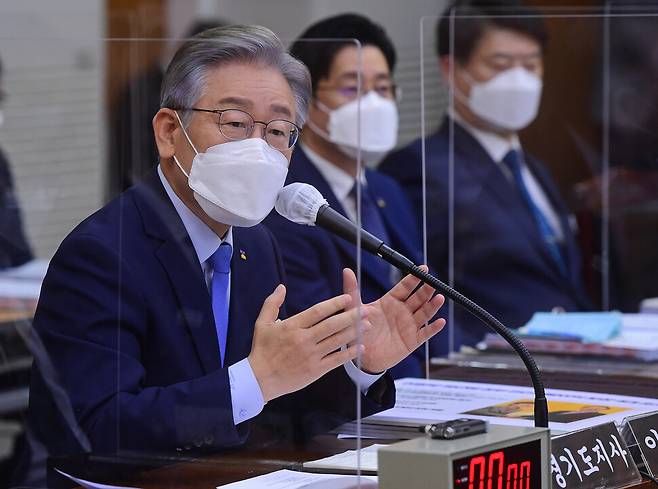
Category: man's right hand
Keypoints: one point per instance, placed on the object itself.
(289, 355)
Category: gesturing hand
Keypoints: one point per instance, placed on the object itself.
(288, 355)
(396, 321)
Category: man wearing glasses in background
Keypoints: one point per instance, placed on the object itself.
(326, 158)
(162, 315)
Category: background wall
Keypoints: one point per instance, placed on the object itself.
(53, 72)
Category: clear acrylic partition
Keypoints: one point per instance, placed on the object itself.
(591, 153)
(106, 405)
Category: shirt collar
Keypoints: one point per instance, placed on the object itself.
(204, 239)
(340, 182)
(495, 146)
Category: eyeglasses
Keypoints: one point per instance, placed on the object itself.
(236, 125)
(350, 92)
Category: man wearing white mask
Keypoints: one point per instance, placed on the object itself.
(327, 159)
(161, 320)
(515, 250)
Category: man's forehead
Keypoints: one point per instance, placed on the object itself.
(350, 57)
(254, 88)
(507, 42)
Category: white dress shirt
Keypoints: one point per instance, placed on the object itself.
(246, 396)
(497, 147)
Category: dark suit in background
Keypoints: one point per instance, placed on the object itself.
(314, 258)
(126, 320)
(14, 248)
(500, 260)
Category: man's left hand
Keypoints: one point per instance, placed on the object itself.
(399, 321)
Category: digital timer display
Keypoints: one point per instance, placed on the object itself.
(513, 467)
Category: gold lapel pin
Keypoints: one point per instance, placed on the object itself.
(243, 255)
(381, 203)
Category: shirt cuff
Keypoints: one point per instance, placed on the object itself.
(246, 397)
(359, 377)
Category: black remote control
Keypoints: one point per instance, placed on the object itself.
(456, 428)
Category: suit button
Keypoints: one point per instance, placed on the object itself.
(209, 439)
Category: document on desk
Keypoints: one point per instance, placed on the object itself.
(348, 460)
(91, 485)
(427, 401)
(23, 282)
(289, 479)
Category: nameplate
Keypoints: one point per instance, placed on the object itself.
(592, 458)
(641, 435)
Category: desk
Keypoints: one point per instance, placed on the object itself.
(213, 470)
(16, 310)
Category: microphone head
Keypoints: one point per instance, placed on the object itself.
(299, 202)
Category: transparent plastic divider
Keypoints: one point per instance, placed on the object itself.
(588, 153)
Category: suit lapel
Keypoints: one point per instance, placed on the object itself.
(403, 236)
(304, 171)
(180, 262)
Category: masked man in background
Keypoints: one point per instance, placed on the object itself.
(515, 250)
(327, 159)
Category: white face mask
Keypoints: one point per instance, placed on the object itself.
(237, 182)
(509, 100)
(379, 126)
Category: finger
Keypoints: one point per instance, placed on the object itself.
(315, 314)
(428, 310)
(424, 334)
(347, 336)
(338, 358)
(351, 286)
(404, 287)
(424, 268)
(269, 312)
(420, 284)
(420, 298)
(336, 323)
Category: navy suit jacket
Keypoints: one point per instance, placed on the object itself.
(500, 259)
(314, 258)
(126, 321)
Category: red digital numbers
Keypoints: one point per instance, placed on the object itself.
(489, 473)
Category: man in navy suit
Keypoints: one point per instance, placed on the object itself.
(327, 159)
(160, 326)
(515, 250)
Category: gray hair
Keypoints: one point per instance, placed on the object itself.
(185, 78)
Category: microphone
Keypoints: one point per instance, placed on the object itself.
(304, 204)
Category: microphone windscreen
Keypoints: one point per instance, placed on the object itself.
(299, 202)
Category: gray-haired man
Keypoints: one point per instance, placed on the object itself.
(162, 313)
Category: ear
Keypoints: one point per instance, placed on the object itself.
(446, 65)
(165, 125)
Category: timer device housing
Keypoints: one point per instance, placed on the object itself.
(518, 455)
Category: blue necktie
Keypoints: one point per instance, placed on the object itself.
(514, 161)
(371, 221)
(221, 265)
